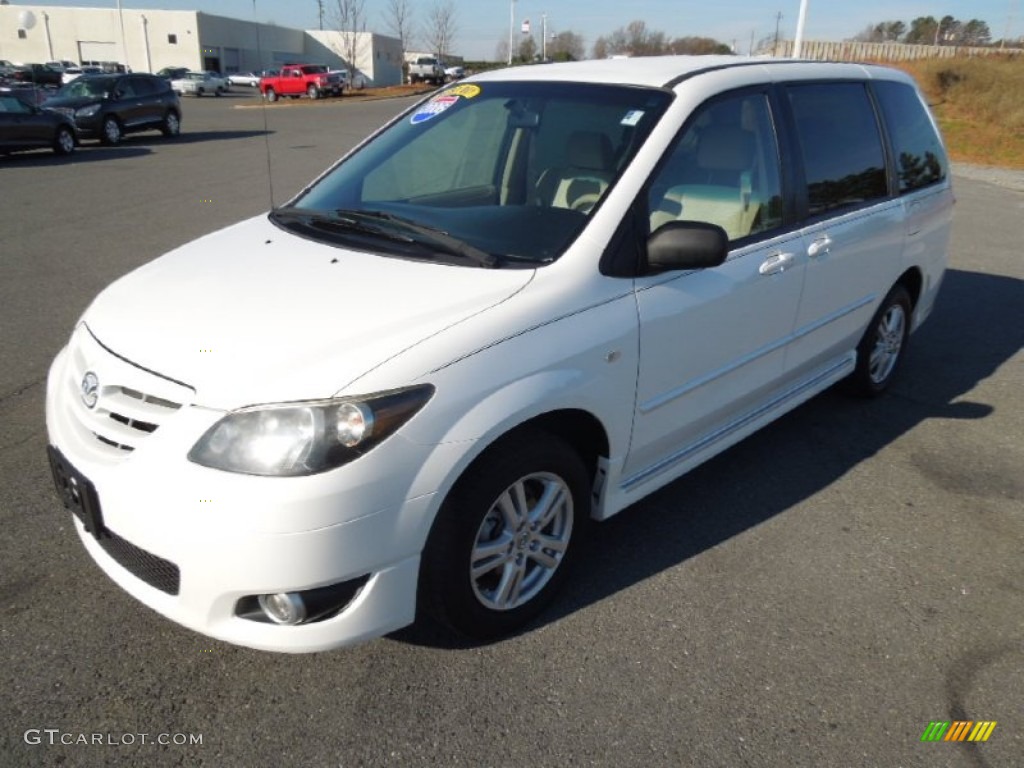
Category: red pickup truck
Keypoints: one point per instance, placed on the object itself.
(313, 80)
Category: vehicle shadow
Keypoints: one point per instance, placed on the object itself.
(823, 440)
(192, 137)
(83, 154)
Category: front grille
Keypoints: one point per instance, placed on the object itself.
(158, 573)
(131, 403)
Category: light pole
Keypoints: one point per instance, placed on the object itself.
(511, 28)
(798, 41)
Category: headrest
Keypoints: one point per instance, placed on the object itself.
(589, 149)
(726, 148)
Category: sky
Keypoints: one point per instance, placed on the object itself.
(482, 24)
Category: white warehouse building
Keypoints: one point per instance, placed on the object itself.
(147, 41)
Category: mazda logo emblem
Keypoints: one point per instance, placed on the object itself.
(90, 389)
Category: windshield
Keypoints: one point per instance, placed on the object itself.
(88, 86)
(511, 169)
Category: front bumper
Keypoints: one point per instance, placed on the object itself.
(229, 537)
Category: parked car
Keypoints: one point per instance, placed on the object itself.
(61, 65)
(312, 80)
(172, 73)
(106, 107)
(527, 302)
(200, 84)
(426, 69)
(349, 83)
(454, 73)
(71, 73)
(39, 74)
(26, 126)
(250, 79)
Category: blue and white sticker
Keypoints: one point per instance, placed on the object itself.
(433, 108)
(632, 117)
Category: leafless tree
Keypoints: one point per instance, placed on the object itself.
(441, 28)
(398, 17)
(349, 17)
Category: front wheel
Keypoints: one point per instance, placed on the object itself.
(270, 95)
(313, 92)
(172, 124)
(504, 538)
(881, 349)
(64, 141)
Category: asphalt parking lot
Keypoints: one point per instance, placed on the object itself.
(813, 597)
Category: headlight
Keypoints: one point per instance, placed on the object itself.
(89, 111)
(305, 438)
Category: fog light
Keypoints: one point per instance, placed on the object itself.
(283, 608)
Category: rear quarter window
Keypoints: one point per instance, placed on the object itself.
(920, 158)
(843, 156)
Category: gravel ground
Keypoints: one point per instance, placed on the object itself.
(1003, 177)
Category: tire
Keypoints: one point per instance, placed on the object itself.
(219, 92)
(111, 131)
(313, 92)
(883, 345)
(64, 141)
(270, 95)
(171, 126)
(199, 93)
(488, 567)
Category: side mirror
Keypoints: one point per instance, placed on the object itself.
(681, 245)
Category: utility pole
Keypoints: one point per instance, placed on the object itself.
(320, 4)
(775, 47)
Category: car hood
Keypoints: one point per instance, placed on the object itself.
(253, 314)
(72, 102)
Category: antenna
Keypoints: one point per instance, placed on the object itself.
(263, 111)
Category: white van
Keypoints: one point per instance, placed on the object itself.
(527, 302)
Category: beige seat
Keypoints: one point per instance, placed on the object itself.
(720, 191)
(579, 184)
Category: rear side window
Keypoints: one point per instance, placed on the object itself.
(920, 158)
(844, 162)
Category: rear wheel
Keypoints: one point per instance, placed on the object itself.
(881, 349)
(111, 132)
(270, 94)
(64, 141)
(501, 545)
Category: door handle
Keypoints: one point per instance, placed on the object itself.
(819, 246)
(776, 263)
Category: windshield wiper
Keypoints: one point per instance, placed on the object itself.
(432, 235)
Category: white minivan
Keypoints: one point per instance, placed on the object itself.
(525, 303)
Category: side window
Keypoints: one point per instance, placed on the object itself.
(125, 88)
(920, 158)
(723, 169)
(844, 162)
(143, 86)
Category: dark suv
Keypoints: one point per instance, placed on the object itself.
(106, 107)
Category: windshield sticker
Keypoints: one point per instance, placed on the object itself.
(433, 108)
(632, 117)
(467, 90)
